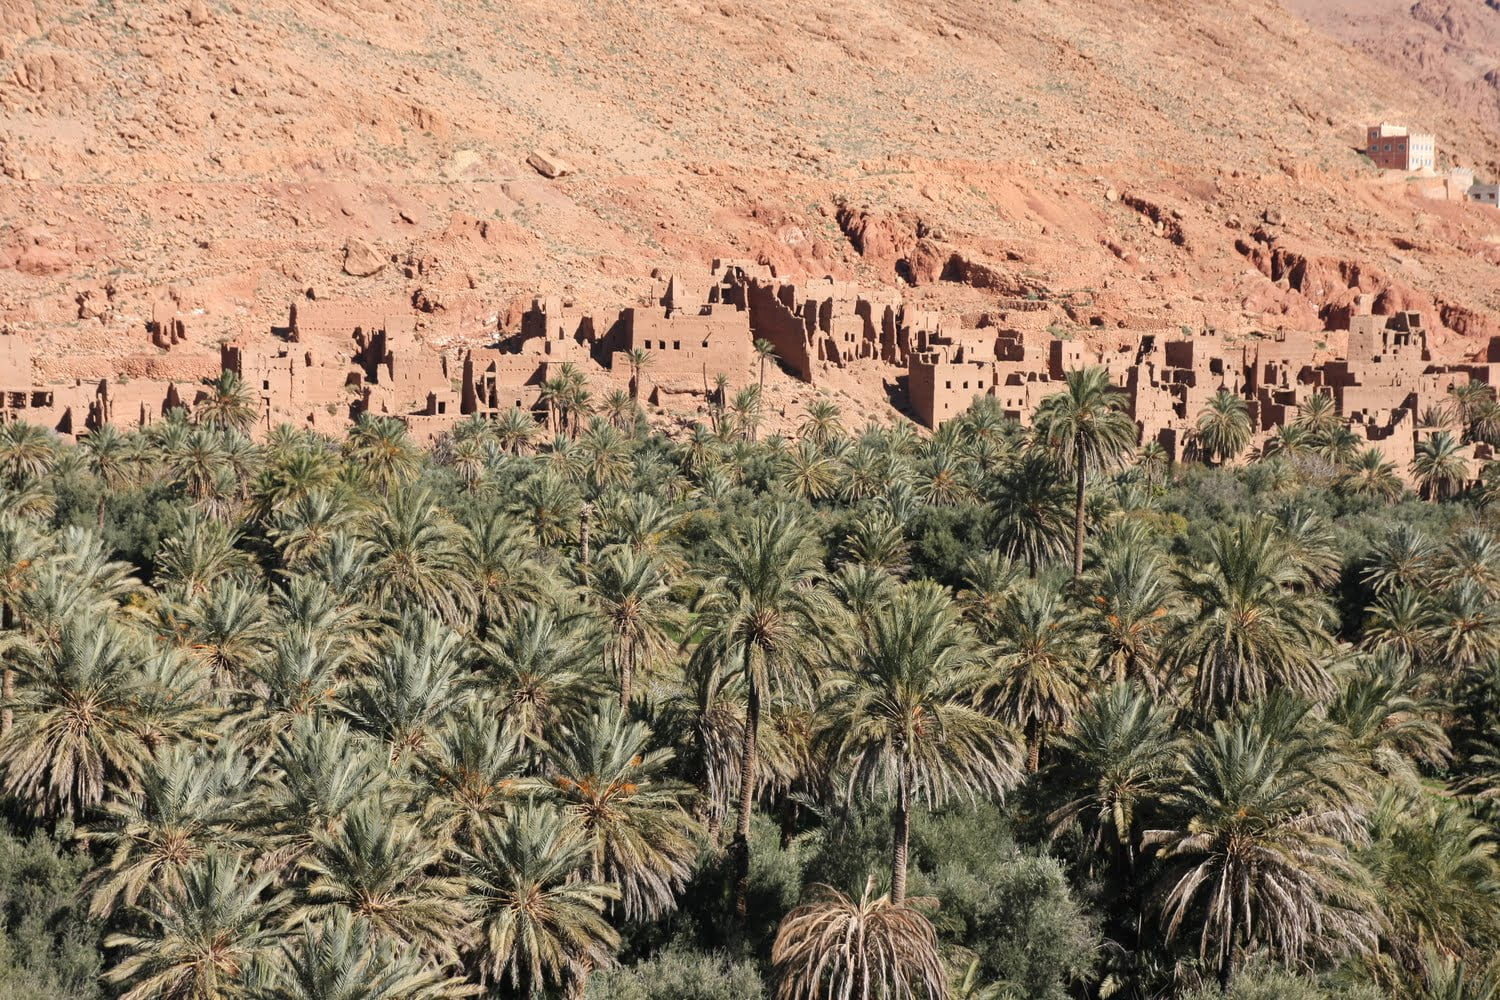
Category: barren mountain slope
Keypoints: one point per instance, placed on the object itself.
(1450, 47)
(223, 153)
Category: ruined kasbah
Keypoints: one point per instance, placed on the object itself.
(335, 361)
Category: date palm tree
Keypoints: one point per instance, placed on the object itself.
(416, 557)
(1223, 427)
(200, 938)
(604, 774)
(1246, 628)
(471, 773)
(1440, 467)
(902, 721)
(514, 430)
(378, 866)
(540, 917)
(1261, 857)
(1404, 558)
(383, 452)
(1318, 418)
(1044, 655)
(496, 559)
(1404, 621)
(640, 359)
(227, 405)
(340, 958)
(26, 453)
(1133, 611)
(109, 460)
(1372, 477)
(866, 948)
(411, 685)
(822, 423)
(633, 596)
(763, 615)
(1087, 429)
(542, 669)
(764, 351)
(1029, 516)
(810, 473)
(78, 727)
(1119, 753)
(191, 803)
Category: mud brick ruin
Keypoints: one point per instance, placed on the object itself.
(335, 361)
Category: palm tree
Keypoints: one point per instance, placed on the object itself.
(633, 596)
(810, 473)
(746, 411)
(78, 726)
(514, 430)
(1440, 466)
(416, 556)
(109, 457)
(1247, 629)
(26, 453)
(764, 351)
(902, 720)
(1318, 418)
(340, 958)
(1043, 659)
(542, 668)
(603, 773)
(1119, 753)
(1133, 611)
(383, 452)
(1405, 558)
(228, 405)
(763, 616)
(822, 423)
(495, 556)
(640, 359)
(873, 947)
(1029, 516)
(1386, 724)
(1224, 426)
(619, 409)
(541, 919)
(1372, 477)
(21, 550)
(1405, 621)
(192, 802)
(412, 684)
(200, 937)
(1087, 429)
(199, 554)
(471, 772)
(1261, 856)
(380, 867)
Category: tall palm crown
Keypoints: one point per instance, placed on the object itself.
(763, 616)
(1044, 653)
(227, 405)
(1261, 856)
(604, 774)
(1224, 426)
(1247, 628)
(540, 922)
(632, 595)
(902, 720)
(1440, 466)
(1088, 430)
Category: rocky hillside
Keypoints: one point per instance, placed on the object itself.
(1137, 162)
(1450, 47)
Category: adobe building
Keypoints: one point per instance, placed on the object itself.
(1485, 194)
(1394, 147)
(692, 335)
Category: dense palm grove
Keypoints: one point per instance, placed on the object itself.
(577, 710)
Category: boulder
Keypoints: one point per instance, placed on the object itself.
(549, 165)
(360, 259)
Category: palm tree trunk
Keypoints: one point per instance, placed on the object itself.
(740, 846)
(627, 672)
(1033, 746)
(8, 683)
(900, 841)
(101, 510)
(1078, 518)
